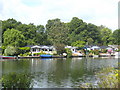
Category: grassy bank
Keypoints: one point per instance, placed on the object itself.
(106, 78)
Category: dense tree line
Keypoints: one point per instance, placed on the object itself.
(56, 32)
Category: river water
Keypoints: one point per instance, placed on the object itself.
(56, 72)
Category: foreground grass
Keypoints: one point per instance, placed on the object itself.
(107, 78)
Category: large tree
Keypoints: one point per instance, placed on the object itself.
(13, 37)
(41, 37)
(76, 25)
(116, 37)
(57, 33)
(106, 35)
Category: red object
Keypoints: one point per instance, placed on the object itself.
(8, 57)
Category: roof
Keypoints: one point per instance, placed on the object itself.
(103, 47)
(93, 47)
(29, 46)
(113, 46)
(36, 46)
(70, 47)
(43, 46)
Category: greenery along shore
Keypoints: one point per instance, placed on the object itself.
(75, 33)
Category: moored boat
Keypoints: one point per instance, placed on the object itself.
(45, 56)
(9, 57)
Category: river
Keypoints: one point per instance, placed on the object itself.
(55, 72)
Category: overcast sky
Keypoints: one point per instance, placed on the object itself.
(98, 12)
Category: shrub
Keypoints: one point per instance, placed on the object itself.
(11, 50)
(15, 80)
(60, 48)
(104, 50)
(27, 54)
(96, 52)
(40, 53)
(24, 49)
(107, 78)
(69, 52)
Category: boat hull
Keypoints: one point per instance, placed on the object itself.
(8, 57)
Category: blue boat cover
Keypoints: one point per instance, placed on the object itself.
(45, 55)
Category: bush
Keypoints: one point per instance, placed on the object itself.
(15, 80)
(107, 78)
(24, 49)
(11, 51)
(117, 50)
(26, 54)
(60, 48)
(69, 52)
(104, 51)
(40, 53)
(95, 52)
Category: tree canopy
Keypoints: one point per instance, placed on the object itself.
(17, 34)
(13, 37)
(57, 31)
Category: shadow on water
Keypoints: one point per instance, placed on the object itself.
(53, 73)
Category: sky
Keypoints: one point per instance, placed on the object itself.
(98, 12)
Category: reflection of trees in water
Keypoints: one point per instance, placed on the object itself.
(68, 70)
(15, 80)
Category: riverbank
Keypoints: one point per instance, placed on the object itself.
(116, 55)
(56, 56)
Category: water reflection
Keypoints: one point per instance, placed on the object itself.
(58, 72)
(17, 80)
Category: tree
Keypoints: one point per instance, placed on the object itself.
(9, 24)
(29, 32)
(41, 36)
(13, 37)
(57, 32)
(79, 44)
(76, 25)
(93, 32)
(11, 50)
(116, 37)
(105, 36)
(90, 41)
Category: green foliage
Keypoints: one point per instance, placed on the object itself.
(15, 80)
(36, 54)
(79, 44)
(11, 51)
(76, 25)
(104, 50)
(90, 41)
(82, 31)
(57, 31)
(116, 37)
(60, 48)
(106, 36)
(25, 48)
(26, 54)
(69, 52)
(13, 37)
(107, 78)
(96, 52)
(17, 34)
